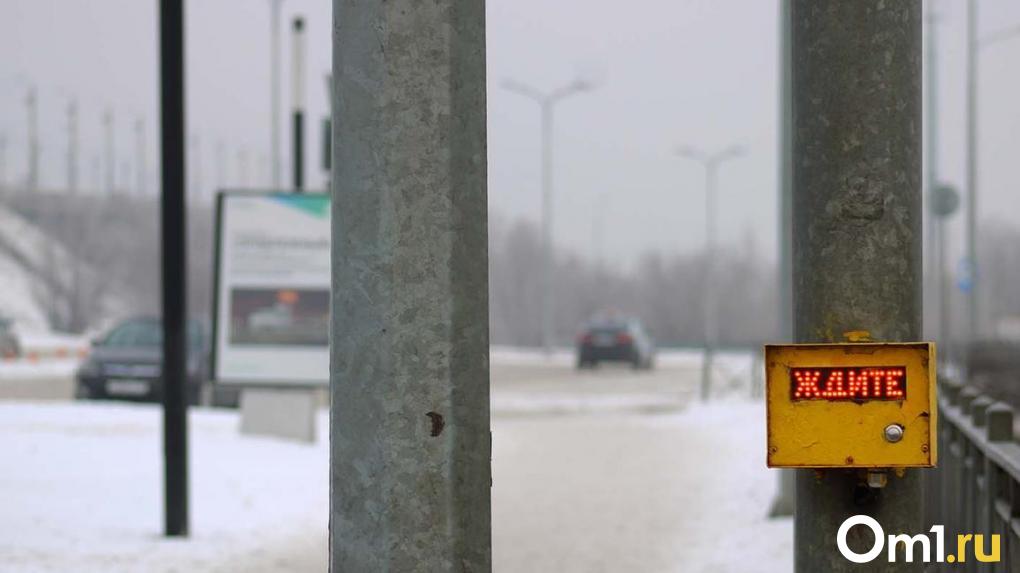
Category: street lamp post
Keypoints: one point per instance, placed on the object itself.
(547, 102)
(974, 45)
(274, 80)
(709, 314)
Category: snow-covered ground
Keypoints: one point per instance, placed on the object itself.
(80, 488)
(678, 492)
(610, 485)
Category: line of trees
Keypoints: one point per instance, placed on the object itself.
(105, 264)
(664, 291)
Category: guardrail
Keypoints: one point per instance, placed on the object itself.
(976, 487)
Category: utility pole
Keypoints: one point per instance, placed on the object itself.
(327, 135)
(599, 230)
(298, 101)
(971, 264)
(931, 158)
(3, 161)
(111, 151)
(547, 102)
(943, 202)
(857, 243)
(141, 168)
(783, 504)
(971, 269)
(72, 146)
(242, 166)
(410, 444)
(173, 215)
(274, 90)
(196, 169)
(709, 312)
(32, 109)
(221, 165)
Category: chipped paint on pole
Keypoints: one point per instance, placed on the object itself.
(856, 70)
(410, 444)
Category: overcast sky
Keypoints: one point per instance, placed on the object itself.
(670, 72)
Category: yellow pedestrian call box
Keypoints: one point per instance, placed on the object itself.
(857, 405)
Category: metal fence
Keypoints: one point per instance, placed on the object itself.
(976, 487)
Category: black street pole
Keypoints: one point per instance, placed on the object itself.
(175, 405)
(298, 71)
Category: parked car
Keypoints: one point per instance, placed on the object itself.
(127, 364)
(615, 340)
(9, 346)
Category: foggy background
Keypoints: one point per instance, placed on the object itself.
(628, 210)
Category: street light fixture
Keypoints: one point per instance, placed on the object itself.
(709, 316)
(547, 102)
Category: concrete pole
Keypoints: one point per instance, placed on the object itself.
(274, 91)
(32, 109)
(221, 165)
(548, 286)
(972, 175)
(72, 146)
(298, 103)
(708, 306)
(598, 238)
(242, 167)
(783, 503)
(141, 168)
(934, 222)
(195, 164)
(944, 330)
(111, 166)
(3, 162)
(856, 232)
(409, 431)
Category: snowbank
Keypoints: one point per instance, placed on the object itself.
(80, 488)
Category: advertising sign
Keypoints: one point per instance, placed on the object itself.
(271, 300)
(859, 405)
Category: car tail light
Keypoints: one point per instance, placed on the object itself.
(624, 338)
(585, 339)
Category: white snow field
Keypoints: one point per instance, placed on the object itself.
(610, 470)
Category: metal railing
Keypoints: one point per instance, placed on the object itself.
(976, 487)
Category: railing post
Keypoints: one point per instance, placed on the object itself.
(967, 395)
(1000, 422)
(951, 390)
(979, 410)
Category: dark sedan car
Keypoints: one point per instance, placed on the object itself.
(127, 364)
(622, 340)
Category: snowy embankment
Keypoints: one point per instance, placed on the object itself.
(81, 490)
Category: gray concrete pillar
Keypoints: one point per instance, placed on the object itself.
(856, 70)
(410, 445)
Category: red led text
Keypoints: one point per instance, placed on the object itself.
(851, 383)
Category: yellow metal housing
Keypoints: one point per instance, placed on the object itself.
(851, 433)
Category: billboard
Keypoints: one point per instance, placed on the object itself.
(271, 297)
